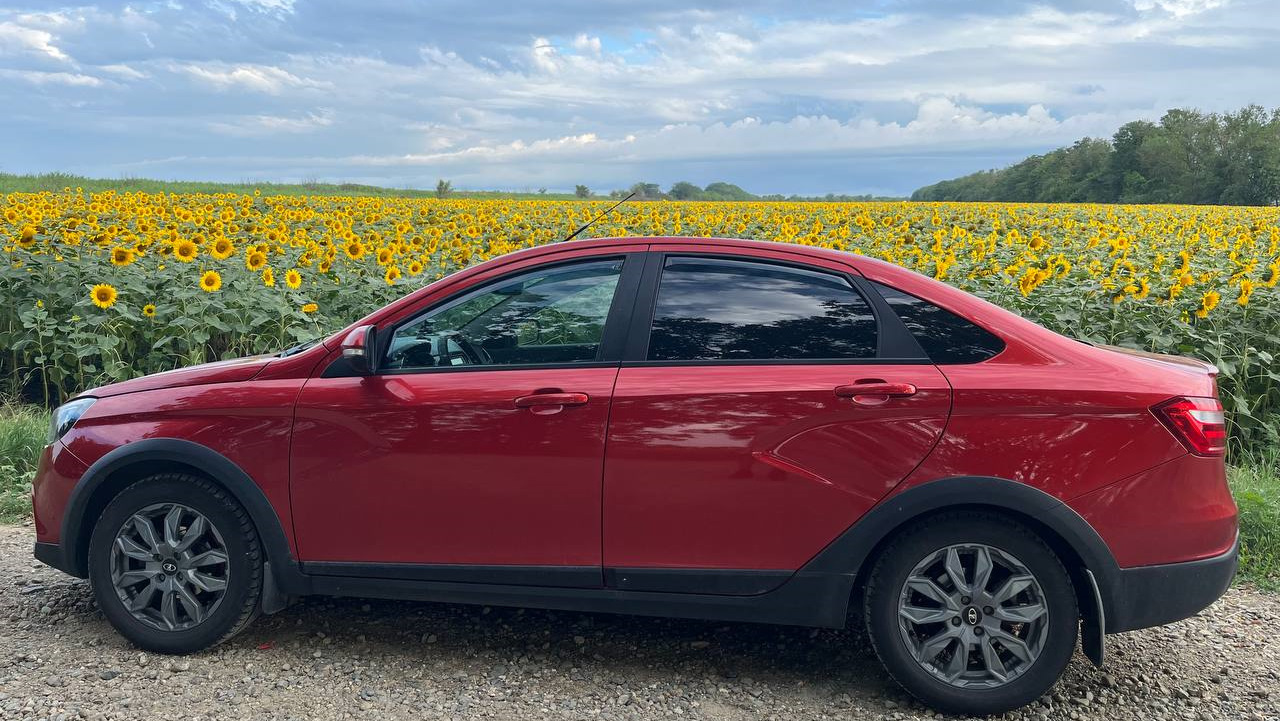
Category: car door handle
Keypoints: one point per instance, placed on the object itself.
(552, 399)
(875, 391)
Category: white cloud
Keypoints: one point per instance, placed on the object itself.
(938, 123)
(277, 6)
(260, 125)
(123, 71)
(1178, 8)
(18, 39)
(259, 78)
(586, 44)
(39, 77)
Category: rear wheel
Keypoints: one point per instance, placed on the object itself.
(972, 613)
(176, 564)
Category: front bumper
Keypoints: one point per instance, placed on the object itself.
(1148, 596)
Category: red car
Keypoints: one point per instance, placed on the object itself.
(715, 429)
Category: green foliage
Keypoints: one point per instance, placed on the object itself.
(1256, 486)
(1190, 157)
(685, 191)
(56, 182)
(581, 191)
(23, 429)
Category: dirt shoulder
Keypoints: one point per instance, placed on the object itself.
(349, 658)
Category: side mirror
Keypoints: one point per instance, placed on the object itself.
(358, 349)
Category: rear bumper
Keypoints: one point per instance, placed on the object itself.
(1148, 596)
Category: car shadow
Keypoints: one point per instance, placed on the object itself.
(583, 646)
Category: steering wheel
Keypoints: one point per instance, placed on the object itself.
(475, 354)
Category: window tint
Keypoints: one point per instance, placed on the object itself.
(709, 309)
(551, 315)
(944, 336)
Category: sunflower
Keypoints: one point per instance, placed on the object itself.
(210, 281)
(222, 248)
(149, 310)
(1246, 290)
(121, 255)
(185, 250)
(384, 256)
(415, 267)
(268, 277)
(392, 275)
(255, 260)
(1208, 302)
(310, 307)
(292, 278)
(103, 295)
(27, 236)
(353, 249)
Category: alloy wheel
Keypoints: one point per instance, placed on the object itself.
(973, 616)
(169, 566)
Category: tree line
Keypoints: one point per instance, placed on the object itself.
(684, 190)
(1188, 157)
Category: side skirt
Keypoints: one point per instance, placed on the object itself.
(808, 599)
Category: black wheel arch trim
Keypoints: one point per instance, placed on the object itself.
(76, 527)
(850, 552)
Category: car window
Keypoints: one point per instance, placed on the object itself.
(551, 315)
(945, 337)
(713, 309)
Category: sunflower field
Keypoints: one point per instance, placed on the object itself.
(98, 287)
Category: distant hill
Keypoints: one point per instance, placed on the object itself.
(1188, 157)
(720, 191)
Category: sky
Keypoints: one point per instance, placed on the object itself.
(840, 96)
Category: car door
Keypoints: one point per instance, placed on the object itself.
(769, 406)
(474, 452)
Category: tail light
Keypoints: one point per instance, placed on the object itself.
(1198, 422)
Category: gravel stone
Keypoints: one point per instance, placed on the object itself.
(399, 660)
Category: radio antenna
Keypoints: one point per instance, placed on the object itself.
(598, 217)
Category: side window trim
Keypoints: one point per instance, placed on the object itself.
(896, 340)
(877, 288)
(895, 344)
(611, 341)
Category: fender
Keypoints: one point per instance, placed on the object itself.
(282, 569)
(1096, 573)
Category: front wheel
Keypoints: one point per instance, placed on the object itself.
(176, 564)
(972, 613)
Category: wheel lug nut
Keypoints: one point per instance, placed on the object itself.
(977, 630)
(988, 610)
(955, 621)
(965, 599)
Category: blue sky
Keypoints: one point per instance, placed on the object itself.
(780, 97)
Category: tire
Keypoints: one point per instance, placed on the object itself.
(201, 600)
(907, 622)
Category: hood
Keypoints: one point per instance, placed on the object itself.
(228, 371)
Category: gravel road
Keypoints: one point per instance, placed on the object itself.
(349, 658)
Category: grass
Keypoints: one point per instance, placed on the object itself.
(23, 430)
(1255, 484)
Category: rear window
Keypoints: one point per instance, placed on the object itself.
(945, 337)
(710, 309)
